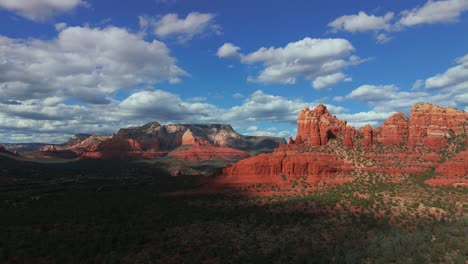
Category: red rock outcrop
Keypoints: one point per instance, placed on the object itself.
(318, 126)
(274, 167)
(430, 125)
(348, 135)
(120, 149)
(367, 136)
(206, 152)
(47, 148)
(394, 131)
(454, 167)
(316, 155)
(453, 172)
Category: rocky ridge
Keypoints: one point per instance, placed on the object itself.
(326, 148)
(188, 141)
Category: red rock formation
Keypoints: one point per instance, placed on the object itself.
(188, 138)
(314, 155)
(455, 167)
(348, 135)
(206, 152)
(47, 148)
(453, 172)
(318, 126)
(394, 130)
(367, 136)
(430, 124)
(268, 168)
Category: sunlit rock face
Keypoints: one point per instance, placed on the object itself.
(325, 147)
(431, 125)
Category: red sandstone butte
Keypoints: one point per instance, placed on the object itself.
(326, 149)
(367, 136)
(318, 126)
(430, 124)
(394, 130)
(119, 149)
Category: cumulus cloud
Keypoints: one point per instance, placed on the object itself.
(390, 98)
(228, 50)
(372, 93)
(455, 78)
(453, 82)
(184, 29)
(361, 22)
(165, 107)
(360, 119)
(307, 58)
(88, 64)
(52, 118)
(40, 10)
(434, 12)
(237, 96)
(329, 80)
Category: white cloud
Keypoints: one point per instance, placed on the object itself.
(434, 12)
(361, 22)
(372, 93)
(329, 80)
(164, 106)
(60, 26)
(88, 64)
(252, 128)
(389, 98)
(186, 28)
(237, 96)
(260, 106)
(307, 58)
(228, 50)
(417, 85)
(360, 119)
(453, 82)
(382, 38)
(455, 78)
(40, 10)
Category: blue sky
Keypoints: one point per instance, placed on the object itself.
(76, 66)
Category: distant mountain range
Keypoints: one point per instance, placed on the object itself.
(200, 141)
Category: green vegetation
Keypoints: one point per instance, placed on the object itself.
(123, 216)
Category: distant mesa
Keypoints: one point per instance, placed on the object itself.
(186, 141)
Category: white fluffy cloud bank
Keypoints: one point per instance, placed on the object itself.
(180, 28)
(318, 60)
(88, 64)
(432, 12)
(39, 10)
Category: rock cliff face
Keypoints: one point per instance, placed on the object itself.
(5, 151)
(193, 142)
(154, 136)
(394, 130)
(453, 172)
(326, 148)
(367, 136)
(430, 125)
(318, 126)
